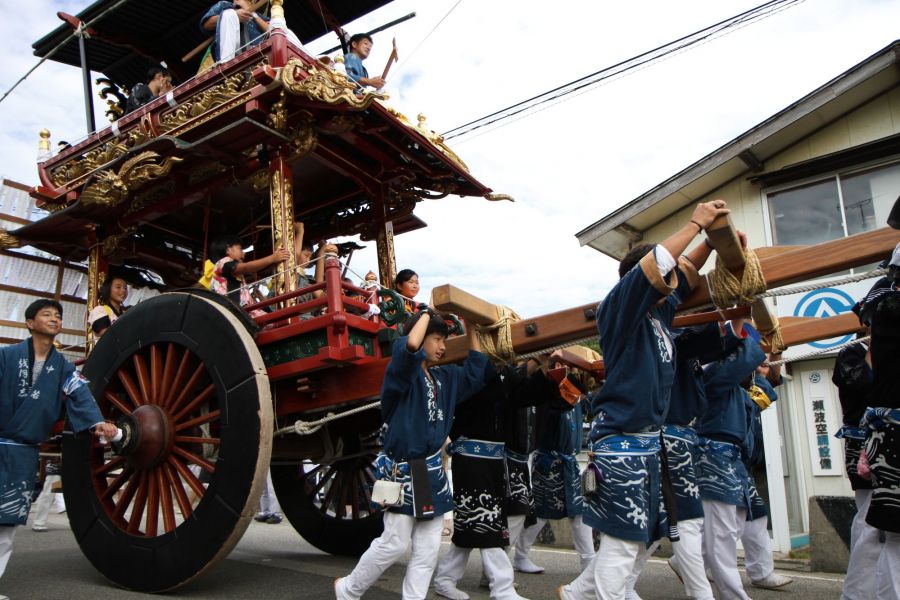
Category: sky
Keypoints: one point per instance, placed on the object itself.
(566, 166)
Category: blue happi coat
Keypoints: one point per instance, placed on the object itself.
(417, 416)
(27, 414)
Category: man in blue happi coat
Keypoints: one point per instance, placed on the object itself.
(694, 347)
(235, 25)
(418, 401)
(360, 46)
(633, 321)
(34, 378)
(724, 485)
(758, 559)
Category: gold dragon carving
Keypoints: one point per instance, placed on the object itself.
(71, 173)
(324, 85)
(110, 188)
(207, 100)
(7, 240)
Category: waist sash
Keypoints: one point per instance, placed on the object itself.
(477, 448)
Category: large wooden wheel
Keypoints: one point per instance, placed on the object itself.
(182, 374)
(329, 504)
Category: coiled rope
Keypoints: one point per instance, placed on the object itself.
(726, 290)
(496, 338)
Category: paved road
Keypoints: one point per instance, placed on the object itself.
(273, 562)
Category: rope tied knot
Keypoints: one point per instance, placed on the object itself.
(496, 338)
(726, 290)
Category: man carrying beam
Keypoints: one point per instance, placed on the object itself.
(633, 321)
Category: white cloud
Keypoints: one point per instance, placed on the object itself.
(568, 165)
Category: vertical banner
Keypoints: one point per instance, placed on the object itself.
(821, 419)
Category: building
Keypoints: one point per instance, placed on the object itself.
(825, 167)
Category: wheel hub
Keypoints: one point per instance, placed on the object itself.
(147, 436)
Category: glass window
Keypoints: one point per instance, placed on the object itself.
(869, 196)
(810, 214)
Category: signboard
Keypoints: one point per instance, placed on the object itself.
(820, 412)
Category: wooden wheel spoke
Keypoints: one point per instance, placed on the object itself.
(112, 465)
(309, 474)
(116, 402)
(130, 387)
(156, 373)
(354, 497)
(184, 503)
(329, 495)
(193, 458)
(364, 486)
(143, 376)
(185, 393)
(117, 483)
(140, 503)
(210, 416)
(180, 377)
(342, 497)
(155, 490)
(165, 497)
(207, 393)
(168, 374)
(322, 481)
(127, 495)
(186, 474)
(187, 439)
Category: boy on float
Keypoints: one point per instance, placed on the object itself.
(633, 321)
(418, 401)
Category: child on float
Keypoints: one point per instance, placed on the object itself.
(407, 285)
(304, 255)
(228, 278)
(111, 300)
(418, 401)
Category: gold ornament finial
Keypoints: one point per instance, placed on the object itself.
(277, 11)
(44, 143)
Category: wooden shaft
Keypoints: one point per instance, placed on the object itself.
(723, 236)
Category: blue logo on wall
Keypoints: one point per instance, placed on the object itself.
(826, 302)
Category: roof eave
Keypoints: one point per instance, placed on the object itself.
(727, 154)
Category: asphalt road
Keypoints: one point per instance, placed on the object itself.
(273, 562)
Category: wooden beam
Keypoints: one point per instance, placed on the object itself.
(30, 292)
(814, 261)
(723, 236)
(799, 330)
(449, 298)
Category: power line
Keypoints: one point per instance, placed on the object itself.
(60, 45)
(641, 60)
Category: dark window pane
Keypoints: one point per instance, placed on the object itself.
(869, 196)
(806, 215)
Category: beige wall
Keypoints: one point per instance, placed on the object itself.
(874, 120)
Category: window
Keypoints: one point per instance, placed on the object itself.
(842, 205)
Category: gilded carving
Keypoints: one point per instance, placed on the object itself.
(113, 242)
(438, 141)
(499, 197)
(110, 189)
(277, 118)
(303, 134)
(205, 101)
(342, 123)
(260, 180)
(72, 173)
(282, 211)
(7, 240)
(323, 85)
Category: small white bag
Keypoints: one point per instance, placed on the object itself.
(387, 493)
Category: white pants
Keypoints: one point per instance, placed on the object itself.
(722, 527)
(495, 563)
(608, 574)
(887, 571)
(44, 500)
(229, 31)
(399, 531)
(864, 553)
(582, 539)
(757, 549)
(268, 502)
(639, 563)
(6, 543)
(689, 558)
(516, 525)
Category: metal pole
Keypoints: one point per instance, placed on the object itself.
(86, 78)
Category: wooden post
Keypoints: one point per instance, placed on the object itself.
(96, 276)
(447, 298)
(281, 200)
(723, 236)
(387, 262)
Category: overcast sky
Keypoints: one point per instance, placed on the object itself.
(567, 166)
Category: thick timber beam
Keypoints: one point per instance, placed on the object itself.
(809, 262)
